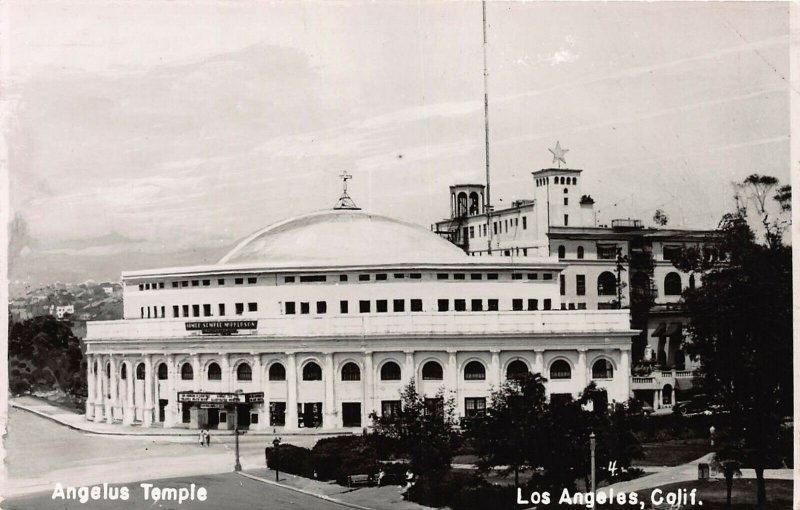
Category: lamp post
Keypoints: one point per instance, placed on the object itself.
(591, 448)
(275, 443)
(238, 465)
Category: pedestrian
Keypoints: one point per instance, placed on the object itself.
(202, 437)
(208, 438)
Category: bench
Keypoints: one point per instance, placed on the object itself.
(359, 479)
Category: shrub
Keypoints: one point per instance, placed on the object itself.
(290, 459)
(444, 491)
(336, 458)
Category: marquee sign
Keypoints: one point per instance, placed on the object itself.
(220, 398)
(220, 327)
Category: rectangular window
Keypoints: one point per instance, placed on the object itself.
(313, 278)
(416, 305)
(221, 281)
(160, 285)
(363, 277)
(390, 408)
(442, 276)
(342, 277)
(476, 276)
(434, 406)
(524, 223)
(305, 308)
(206, 310)
(380, 276)
(351, 414)
(580, 284)
(566, 201)
(221, 307)
(533, 276)
(251, 280)
(287, 279)
(176, 311)
(399, 276)
(562, 283)
(581, 306)
(444, 305)
(195, 310)
(477, 305)
(566, 220)
(238, 281)
(507, 253)
(606, 251)
(290, 308)
(459, 276)
(492, 305)
(252, 307)
(239, 308)
(533, 304)
(547, 304)
(141, 286)
(363, 306)
(399, 305)
(185, 310)
(672, 252)
(460, 305)
(474, 407)
(185, 283)
(563, 306)
(547, 276)
(195, 283)
(524, 252)
(506, 222)
(322, 307)
(415, 276)
(381, 306)
(277, 414)
(343, 307)
(572, 306)
(175, 285)
(206, 283)
(472, 232)
(516, 276)
(494, 227)
(141, 312)
(516, 305)
(491, 276)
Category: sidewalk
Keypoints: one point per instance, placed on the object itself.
(79, 422)
(363, 498)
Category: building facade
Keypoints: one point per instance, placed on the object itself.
(320, 320)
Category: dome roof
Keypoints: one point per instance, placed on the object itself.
(343, 238)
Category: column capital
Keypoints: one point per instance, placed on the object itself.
(495, 350)
(409, 351)
(367, 353)
(451, 350)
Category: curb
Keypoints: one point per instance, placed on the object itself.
(307, 493)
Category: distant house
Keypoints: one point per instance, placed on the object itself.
(61, 310)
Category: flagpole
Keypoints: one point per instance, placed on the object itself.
(486, 132)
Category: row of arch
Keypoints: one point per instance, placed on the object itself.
(389, 371)
(557, 180)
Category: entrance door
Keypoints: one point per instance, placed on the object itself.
(213, 418)
(243, 416)
(186, 412)
(351, 414)
(162, 404)
(312, 414)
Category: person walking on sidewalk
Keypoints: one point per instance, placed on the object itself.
(208, 438)
(202, 437)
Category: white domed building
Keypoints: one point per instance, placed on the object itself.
(319, 320)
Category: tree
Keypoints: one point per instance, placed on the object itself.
(509, 432)
(423, 429)
(660, 218)
(741, 330)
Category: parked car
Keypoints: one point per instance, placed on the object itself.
(692, 408)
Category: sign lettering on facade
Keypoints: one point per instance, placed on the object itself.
(220, 327)
(221, 398)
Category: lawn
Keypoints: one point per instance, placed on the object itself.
(712, 494)
(673, 453)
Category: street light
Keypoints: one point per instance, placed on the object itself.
(275, 443)
(238, 465)
(591, 448)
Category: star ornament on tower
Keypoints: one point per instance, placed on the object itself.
(558, 154)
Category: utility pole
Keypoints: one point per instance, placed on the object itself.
(591, 448)
(486, 133)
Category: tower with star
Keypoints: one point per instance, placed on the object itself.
(558, 195)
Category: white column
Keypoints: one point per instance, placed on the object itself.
(369, 376)
(580, 371)
(129, 413)
(496, 373)
(538, 363)
(171, 411)
(147, 414)
(408, 369)
(331, 419)
(99, 393)
(624, 374)
(291, 391)
(90, 380)
(197, 382)
(259, 386)
(114, 397)
(452, 376)
(226, 372)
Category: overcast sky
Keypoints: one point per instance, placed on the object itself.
(157, 128)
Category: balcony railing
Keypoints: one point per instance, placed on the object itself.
(643, 380)
(447, 323)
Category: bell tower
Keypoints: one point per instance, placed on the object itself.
(467, 200)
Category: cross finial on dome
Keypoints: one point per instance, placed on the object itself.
(345, 202)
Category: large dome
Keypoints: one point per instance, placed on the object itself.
(343, 238)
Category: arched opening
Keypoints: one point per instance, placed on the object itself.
(390, 371)
(562, 251)
(666, 395)
(312, 372)
(123, 371)
(351, 372)
(517, 369)
(606, 284)
(602, 369)
(461, 204)
(244, 372)
(140, 371)
(187, 372)
(474, 371)
(432, 371)
(574, 181)
(672, 284)
(214, 372)
(277, 372)
(474, 204)
(108, 370)
(560, 369)
(162, 371)
(580, 252)
(691, 282)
